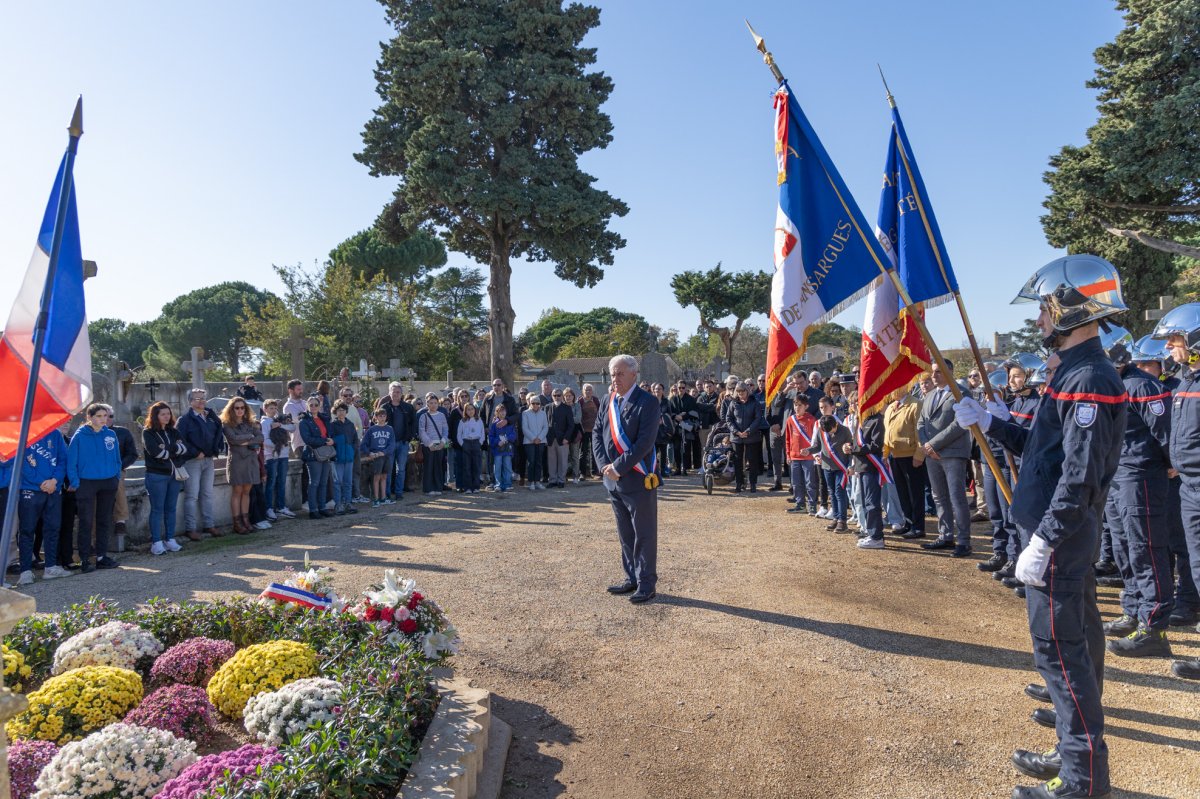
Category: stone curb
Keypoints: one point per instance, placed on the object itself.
(464, 750)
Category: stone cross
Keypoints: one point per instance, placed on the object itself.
(296, 343)
(397, 372)
(152, 386)
(1164, 304)
(449, 379)
(197, 366)
(365, 370)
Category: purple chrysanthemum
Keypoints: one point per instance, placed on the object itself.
(182, 710)
(26, 759)
(208, 771)
(191, 662)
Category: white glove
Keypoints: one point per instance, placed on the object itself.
(1031, 565)
(999, 410)
(969, 412)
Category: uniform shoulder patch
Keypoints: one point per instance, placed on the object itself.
(1157, 407)
(1085, 413)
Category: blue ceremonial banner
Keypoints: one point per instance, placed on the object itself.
(908, 228)
(826, 254)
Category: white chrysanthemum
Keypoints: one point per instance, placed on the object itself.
(135, 762)
(116, 643)
(275, 716)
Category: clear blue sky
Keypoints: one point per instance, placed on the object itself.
(219, 136)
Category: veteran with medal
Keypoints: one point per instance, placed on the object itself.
(623, 445)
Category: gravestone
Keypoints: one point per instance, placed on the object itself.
(365, 371)
(197, 366)
(1164, 304)
(296, 344)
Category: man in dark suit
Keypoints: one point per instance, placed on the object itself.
(624, 451)
(947, 449)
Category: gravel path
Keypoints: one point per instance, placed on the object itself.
(777, 661)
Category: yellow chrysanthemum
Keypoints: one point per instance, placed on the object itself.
(69, 706)
(259, 668)
(14, 667)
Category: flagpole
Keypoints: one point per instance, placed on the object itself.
(934, 350)
(75, 130)
(937, 253)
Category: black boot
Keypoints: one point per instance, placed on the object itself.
(1039, 765)
(1142, 643)
(993, 564)
(1119, 628)
(1187, 669)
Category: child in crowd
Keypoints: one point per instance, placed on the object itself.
(345, 441)
(799, 434)
(832, 436)
(500, 442)
(40, 501)
(378, 444)
(470, 442)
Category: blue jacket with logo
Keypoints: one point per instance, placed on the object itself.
(1068, 458)
(1185, 424)
(92, 455)
(45, 458)
(378, 438)
(1148, 431)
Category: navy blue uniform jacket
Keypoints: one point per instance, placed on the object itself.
(639, 418)
(1069, 456)
(1148, 431)
(1185, 423)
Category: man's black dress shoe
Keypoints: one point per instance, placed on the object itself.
(912, 535)
(107, 563)
(639, 597)
(939, 543)
(626, 587)
(87, 568)
(1039, 765)
(1038, 692)
(961, 552)
(1045, 716)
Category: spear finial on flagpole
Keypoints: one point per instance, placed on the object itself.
(891, 100)
(768, 59)
(76, 126)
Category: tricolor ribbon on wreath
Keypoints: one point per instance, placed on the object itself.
(286, 593)
(836, 458)
(620, 440)
(885, 472)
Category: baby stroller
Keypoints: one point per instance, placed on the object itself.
(717, 458)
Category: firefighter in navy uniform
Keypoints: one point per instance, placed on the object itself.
(1152, 356)
(1137, 509)
(1068, 458)
(1180, 328)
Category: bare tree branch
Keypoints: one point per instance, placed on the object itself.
(1157, 209)
(1155, 243)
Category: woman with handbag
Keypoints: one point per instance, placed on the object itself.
(433, 428)
(165, 475)
(317, 454)
(245, 439)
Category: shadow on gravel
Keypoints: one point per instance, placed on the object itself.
(873, 638)
(1119, 794)
(1150, 737)
(1152, 719)
(530, 773)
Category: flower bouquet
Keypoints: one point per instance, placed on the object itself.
(397, 606)
(307, 589)
(116, 643)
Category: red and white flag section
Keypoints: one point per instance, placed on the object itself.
(893, 353)
(65, 375)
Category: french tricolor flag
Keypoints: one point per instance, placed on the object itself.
(65, 373)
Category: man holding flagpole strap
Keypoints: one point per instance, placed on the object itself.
(1068, 456)
(623, 444)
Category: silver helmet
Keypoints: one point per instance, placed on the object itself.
(1148, 349)
(1118, 344)
(1182, 321)
(1038, 378)
(1075, 290)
